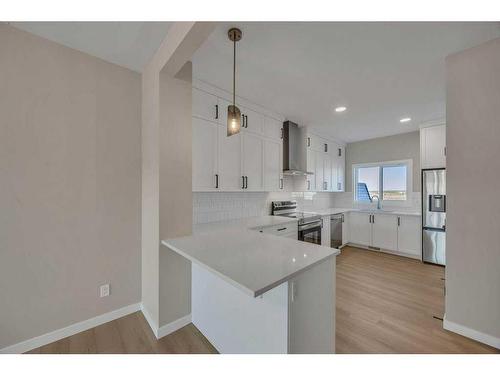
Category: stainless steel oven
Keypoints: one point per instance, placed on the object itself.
(311, 232)
(309, 224)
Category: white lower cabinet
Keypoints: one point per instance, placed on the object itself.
(389, 232)
(360, 228)
(410, 236)
(385, 232)
(326, 231)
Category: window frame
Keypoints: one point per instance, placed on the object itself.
(408, 163)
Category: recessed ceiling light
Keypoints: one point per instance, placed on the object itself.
(340, 109)
(405, 119)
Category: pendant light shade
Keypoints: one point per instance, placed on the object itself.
(233, 112)
(233, 120)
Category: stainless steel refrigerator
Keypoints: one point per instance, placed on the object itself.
(434, 216)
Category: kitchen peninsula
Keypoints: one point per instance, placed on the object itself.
(256, 292)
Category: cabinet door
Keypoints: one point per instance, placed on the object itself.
(252, 152)
(318, 172)
(360, 228)
(204, 155)
(433, 147)
(229, 161)
(315, 143)
(340, 152)
(410, 235)
(311, 167)
(272, 128)
(345, 228)
(327, 171)
(272, 165)
(205, 106)
(385, 231)
(334, 172)
(252, 121)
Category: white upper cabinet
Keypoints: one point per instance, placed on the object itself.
(319, 170)
(251, 121)
(272, 128)
(327, 172)
(205, 174)
(206, 106)
(340, 155)
(433, 147)
(385, 232)
(229, 161)
(252, 155)
(273, 165)
(248, 161)
(409, 235)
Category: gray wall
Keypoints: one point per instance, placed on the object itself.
(394, 147)
(70, 186)
(473, 180)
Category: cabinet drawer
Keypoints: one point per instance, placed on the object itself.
(285, 230)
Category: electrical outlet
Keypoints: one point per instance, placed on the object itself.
(104, 290)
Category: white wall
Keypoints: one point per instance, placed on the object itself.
(473, 181)
(70, 186)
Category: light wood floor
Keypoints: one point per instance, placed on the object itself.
(385, 304)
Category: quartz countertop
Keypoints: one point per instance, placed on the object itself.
(334, 211)
(245, 223)
(251, 261)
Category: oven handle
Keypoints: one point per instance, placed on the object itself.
(314, 224)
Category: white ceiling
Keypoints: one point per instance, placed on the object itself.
(128, 44)
(380, 71)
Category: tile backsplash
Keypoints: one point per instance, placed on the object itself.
(218, 206)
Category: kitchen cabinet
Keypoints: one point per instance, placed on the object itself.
(250, 160)
(384, 231)
(388, 232)
(410, 235)
(251, 121)
(325, 231)
(319, 170)
(311, 167)
(289, 230)
(273, 165)
(360, 228)
(252, 155)
(229, 161)
(206, 106)
(204, 153)
(340, 167)
(433, 147)
(327, 172)
(272, 128)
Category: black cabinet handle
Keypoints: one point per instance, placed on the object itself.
(280, 229)
(399, 221)
(308, 185)
(243, 182)
(340, 152)
(246, 121)
(281, 133)
(308, 142)
(326, 147)
(246, 182)
(281, 183)
(216, 111)
(216, 181)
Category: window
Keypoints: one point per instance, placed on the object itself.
(388, 181)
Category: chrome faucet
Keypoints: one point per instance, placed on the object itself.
(378, 201)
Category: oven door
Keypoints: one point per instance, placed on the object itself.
(311, 232)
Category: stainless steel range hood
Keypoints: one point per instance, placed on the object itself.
(294, 150)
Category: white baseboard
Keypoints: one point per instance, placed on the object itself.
(173, 326)
(152, 323)
(472, 333)
(73, 329)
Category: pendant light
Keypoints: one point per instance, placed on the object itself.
(233, 112)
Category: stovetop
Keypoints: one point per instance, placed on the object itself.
(289, 209)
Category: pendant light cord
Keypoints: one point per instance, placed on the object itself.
(234, 72)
